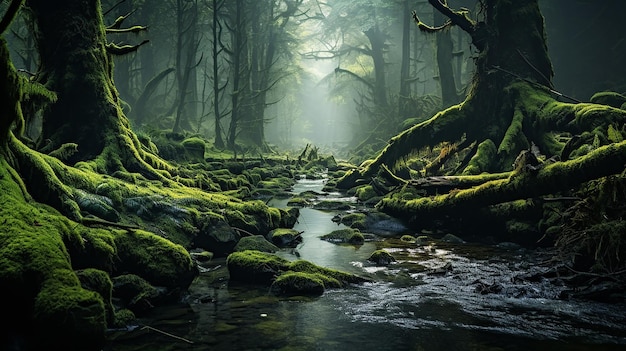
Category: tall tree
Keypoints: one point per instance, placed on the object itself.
(511, 109)
(76, 59)
(217, 49)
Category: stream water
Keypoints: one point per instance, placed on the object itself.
(478, 304)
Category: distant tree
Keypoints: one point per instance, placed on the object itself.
(217, 51)
(260, 54)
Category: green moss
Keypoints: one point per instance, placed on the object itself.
(481, 161)
(609, 98)
(381, 257)
(298, 202)
(298, 283)
(355, 220)
(365, 192)
(255, 266)
(99, 281)
(156, 259)
(259, 267)
(409, 239)
(348, 236)
(337, 276)
(284, 237)
(332, 205)
(256, 242)
(69, 311)
(124, 318)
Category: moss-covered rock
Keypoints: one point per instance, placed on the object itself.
(345, 236)
(219, 238)
(298, 283)
(365, 193)
(264, 268)
(381, 258)
(253, 266)
(255, 242)
(194, 147)
(332, 205)
(157, 260)
(136, 294)
(285, 237)
(355, 220)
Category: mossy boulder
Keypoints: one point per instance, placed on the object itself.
(365, 193)
(381, 258)
(255, 242)
(136, 294)
(289, 217)
(264, 268)
(298, 202)
(284, 237)
(195, 148)
(345, 236)
(332, 205)
(298, 283)
(355, 220)
(156, 259)
(219, 238)
(253, 266)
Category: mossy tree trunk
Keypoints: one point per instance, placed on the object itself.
(510, 107)
(496, 113)
(77, 65)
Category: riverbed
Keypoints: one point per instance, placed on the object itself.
(436, 296)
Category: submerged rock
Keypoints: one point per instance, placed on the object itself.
(345, 236)
(381, 258)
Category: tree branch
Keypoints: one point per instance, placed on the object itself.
(458, 18)
(133, 29)
(115, 49)
(354, 75)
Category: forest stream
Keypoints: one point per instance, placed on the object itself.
(465, 296)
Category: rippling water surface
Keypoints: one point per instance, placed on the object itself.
(478, 303)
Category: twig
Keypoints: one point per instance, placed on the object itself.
(242, 231)
(168, 334)
(536, 84)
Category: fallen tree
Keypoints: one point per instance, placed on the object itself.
(513, 141)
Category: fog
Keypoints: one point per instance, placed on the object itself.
(283, 74)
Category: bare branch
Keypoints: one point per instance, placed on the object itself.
(115, 49)
(118, 22)
(133, 29)
(458, 18)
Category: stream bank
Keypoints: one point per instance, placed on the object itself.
(437, 295)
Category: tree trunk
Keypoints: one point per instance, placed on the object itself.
(449, 94)
(405, 86)
(76, 65)
(511, 110)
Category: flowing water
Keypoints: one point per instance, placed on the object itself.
(435, 297)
